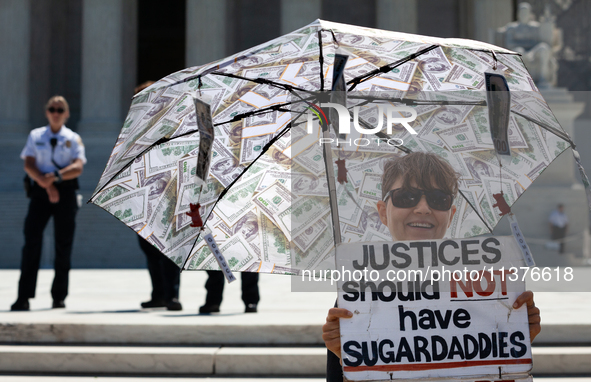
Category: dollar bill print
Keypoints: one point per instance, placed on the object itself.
(304, 240)
(238, 201)
(251, 148)
(273, 199)
(371, 187)
(460, 139)
(237, 252)
(165, 157)
(131, 207)
(317, 252)
(349, 204)
(224, 165)
(270, 176)
(461, 75)
(162, 216)
(295, 218)
(275, 245)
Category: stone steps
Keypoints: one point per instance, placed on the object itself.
(225, 335)
(222, 361)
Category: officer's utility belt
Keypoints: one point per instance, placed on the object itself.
(66, 184)
(72, 183)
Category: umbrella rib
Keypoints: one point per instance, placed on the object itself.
(262, 81)
(321, 60)
(257, 112)
(263, 151)
(549, 128)
(158, 142)
(475, 210)
(409, 101)
(386, 68)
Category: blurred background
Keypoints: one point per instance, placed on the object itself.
(94, 52)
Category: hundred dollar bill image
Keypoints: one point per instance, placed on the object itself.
(165, 157)
(306, 238)
(295, 218)
(275, 246)
(237, 252)
(273, 199)
(348, 204)
(162, 215)
(460, 138)
(251, 148)
(110, 193)
(317, 252)
(237, 202)
(130, 208)
(462, 75)
(371, 186)
(270, 176)
(309, 185)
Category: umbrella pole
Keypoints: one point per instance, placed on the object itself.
(332, 190)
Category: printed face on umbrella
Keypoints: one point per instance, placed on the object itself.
(448, 116)
(305, 183)
(433, 65)
(420, 222)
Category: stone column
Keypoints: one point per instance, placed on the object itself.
(206, 29)
(490, 15)
(397, 15)
(297, 14)
(102, 66)
(14, 59)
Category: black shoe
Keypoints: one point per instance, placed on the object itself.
(154, 304)
(21, 305)
(58, 304)
(207, 309)
(250, 308)
(174, 304)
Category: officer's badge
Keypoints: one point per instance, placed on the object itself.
(68, 144)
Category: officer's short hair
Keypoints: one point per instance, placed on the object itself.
(58, 99)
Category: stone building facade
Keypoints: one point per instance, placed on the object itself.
(95, 51)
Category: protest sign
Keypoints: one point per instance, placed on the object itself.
(438, 309)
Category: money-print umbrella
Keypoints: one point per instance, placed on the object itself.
(274, 200)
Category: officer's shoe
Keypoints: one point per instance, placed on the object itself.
(153, 304)
(174, 304)
(58, 304)
(250, 308)
(207, 309)
(21, 305)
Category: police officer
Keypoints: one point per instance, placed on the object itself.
(54, 158)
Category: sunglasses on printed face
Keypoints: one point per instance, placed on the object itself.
(410, 197)
(59, 110)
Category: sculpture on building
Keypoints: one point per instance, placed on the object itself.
(538, 42)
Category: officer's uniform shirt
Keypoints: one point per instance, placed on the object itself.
(68, 148)
(558, 219)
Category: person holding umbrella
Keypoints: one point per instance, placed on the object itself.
(417, 204)
(54, 159)
(164, 274)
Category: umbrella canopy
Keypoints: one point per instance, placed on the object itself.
(266, 200)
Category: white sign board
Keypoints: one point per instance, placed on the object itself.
(437, 309)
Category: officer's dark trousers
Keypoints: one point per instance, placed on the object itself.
(64, 214)
(215, 288)
(165, 274)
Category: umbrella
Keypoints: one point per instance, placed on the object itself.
(273, 200)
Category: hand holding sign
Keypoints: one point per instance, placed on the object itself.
(417, 328)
